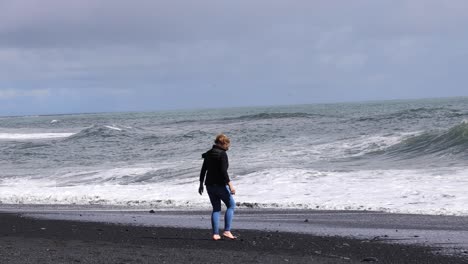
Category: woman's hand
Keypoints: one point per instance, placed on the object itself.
(200, 189)
(231, 188)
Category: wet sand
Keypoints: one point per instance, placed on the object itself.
(266, 236)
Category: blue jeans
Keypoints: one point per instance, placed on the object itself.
(217, 194)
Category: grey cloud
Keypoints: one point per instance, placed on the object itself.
(182, 50)
(64, 23)
(13, 93)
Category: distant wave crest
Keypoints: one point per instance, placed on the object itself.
(29, 136)
(101, 131)
(261, 116)
(452, 141)
(415, 113)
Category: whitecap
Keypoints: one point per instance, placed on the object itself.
(28, 136)
(396, 191)
(114, 128)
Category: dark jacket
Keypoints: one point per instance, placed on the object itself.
(216, 163)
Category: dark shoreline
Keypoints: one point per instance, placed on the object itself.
(28, 240)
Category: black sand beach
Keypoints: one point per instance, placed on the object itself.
(27, 240)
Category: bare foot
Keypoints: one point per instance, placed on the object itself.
(228, 234)
(216, 237)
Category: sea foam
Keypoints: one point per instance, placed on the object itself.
(28, 136)
(396, 191)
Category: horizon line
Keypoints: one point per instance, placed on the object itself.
(233, 107)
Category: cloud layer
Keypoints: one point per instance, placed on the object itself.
(148, 55)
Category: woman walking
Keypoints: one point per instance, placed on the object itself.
(218, 185)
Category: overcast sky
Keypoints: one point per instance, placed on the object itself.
(109, 55)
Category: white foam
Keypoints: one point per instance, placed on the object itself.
(359, 146)
(28, 136)
(344, 148)
(104, 175)
(114, 128)
(402, 191)
(47, 192)
(398, 191)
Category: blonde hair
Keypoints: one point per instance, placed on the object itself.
(222, 140)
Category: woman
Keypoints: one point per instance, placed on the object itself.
(218, 185)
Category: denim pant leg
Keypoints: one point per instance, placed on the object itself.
(216, 204)
(218, 194)
(228, 200)
(231, 205)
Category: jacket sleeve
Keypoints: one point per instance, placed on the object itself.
(224, 167)
(203, 172)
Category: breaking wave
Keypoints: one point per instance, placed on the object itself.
(446, 142)
(101, 131)
(415, 113)
(32, 136)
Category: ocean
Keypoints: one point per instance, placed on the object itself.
(406, 156)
